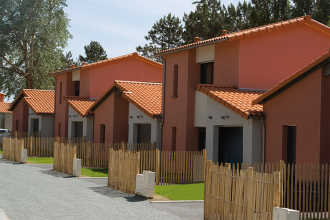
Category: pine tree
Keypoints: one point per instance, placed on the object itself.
(94, 52)
(165, 33)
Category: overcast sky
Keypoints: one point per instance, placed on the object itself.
(119, 25)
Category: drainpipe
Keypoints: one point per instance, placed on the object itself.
(264, 141)
(163, 102)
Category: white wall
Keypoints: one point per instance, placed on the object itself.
(136, 116)
(87, 124)
(46, 123)
(211, 114)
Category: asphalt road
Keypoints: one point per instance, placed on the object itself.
(36, 192)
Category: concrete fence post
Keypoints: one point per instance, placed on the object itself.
(285, 214)
(145, 184)
(24, 155)
(76, 167)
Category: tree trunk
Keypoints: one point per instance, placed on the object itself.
(29, 81)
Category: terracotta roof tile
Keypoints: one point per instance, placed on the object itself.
(283, 84)
(146, 96)
(112, 60)
(4, 107)
(244, 33)
(238, 100)
(41, 101)
(80, 104)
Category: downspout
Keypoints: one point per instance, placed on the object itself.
(264, 141)
(163, 102)
(54, 126)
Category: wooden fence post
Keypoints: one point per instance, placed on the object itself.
(157, 166)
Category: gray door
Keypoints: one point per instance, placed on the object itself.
(230, 144)
(143, 133)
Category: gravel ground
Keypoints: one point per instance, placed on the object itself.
(36, 192)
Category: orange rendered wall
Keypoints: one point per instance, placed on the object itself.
(179, 112)
(299, 105)
(113, 112)
(20, 113)
(267, 58)
(61, 110)
(325, 120)
(97, 80)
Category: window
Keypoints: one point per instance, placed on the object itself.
(76, 87)
(206, 73)
(174, 138)
(61, 94)
(175, 80)
(289, 143)
(102, 133)
(59, 130)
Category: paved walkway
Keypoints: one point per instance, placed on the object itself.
(36, 192)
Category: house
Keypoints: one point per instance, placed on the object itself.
(33, 112)
(198, 108)
(5, 114)
(297, 115)
(78, 88)
(132, 113)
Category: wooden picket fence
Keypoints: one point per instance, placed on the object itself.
(123, 168)
(180, 167)
(306, 188)
(64, 155)
(12, 149)
(39, 146)
(232, 193)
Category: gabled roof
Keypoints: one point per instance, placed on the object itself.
(293, 78)
(4, 107)
(112, 60)
(40, 101)
(147, 96)
(80, 104)
(238, 100)
(248, 32)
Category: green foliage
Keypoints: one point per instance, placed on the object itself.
(206, 21)
(94, 52)
(94, 172)
(33, 34)
(165, 33)
(40, 160)
(181, 192)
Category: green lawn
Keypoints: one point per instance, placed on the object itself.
(181, 192)
(94, 172)
(43, 160)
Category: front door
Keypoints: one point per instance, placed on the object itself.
(143, 133)
(35, 126)
(77, 127)
(230, 144)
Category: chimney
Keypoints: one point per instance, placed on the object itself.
(196, 39)
(2, 97)
(224, 32)
(73, 66)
